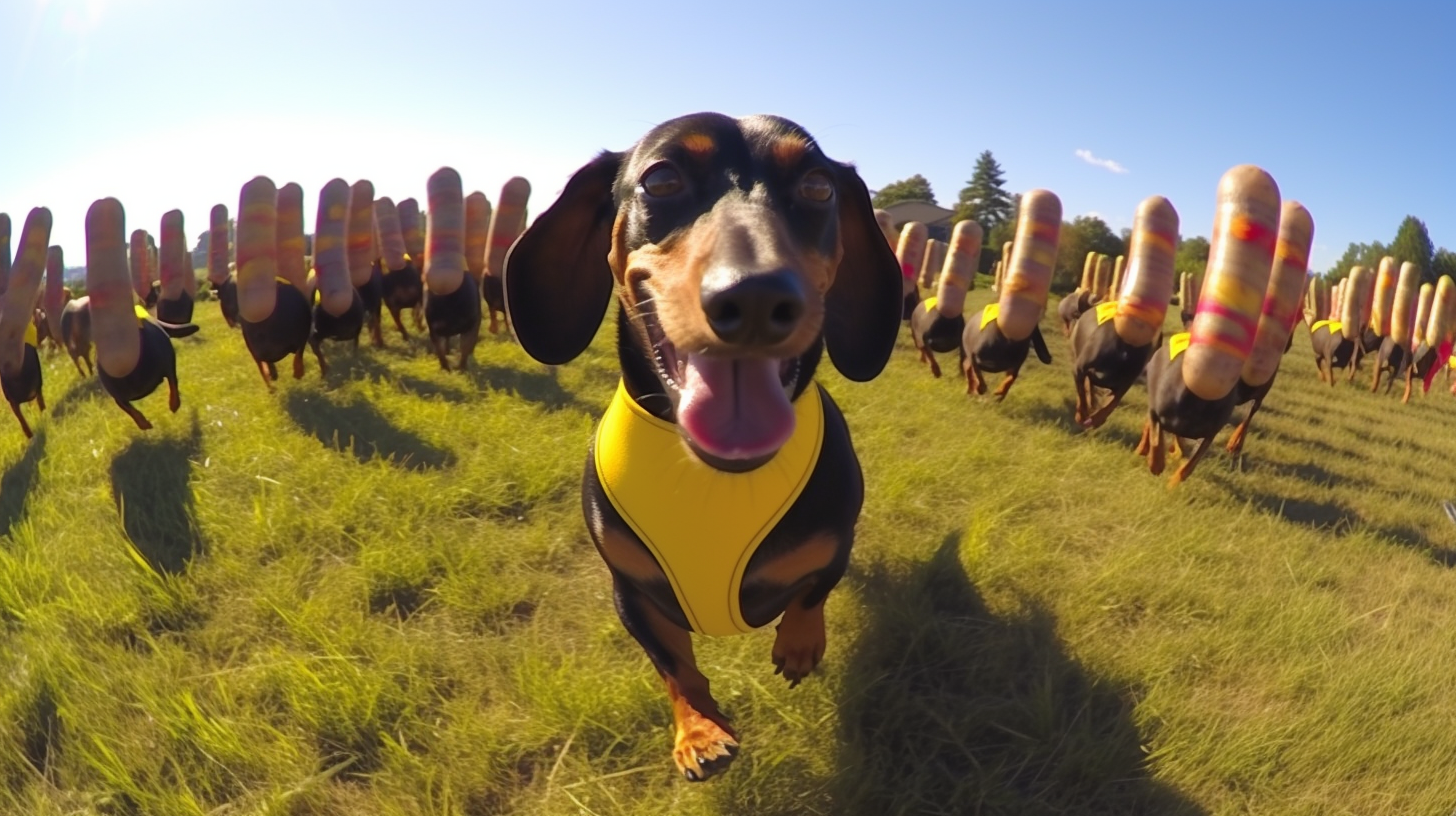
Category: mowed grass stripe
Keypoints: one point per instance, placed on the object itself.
(376, 595)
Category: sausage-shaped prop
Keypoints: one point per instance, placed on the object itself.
(1403, 310)
(257, 250)
(1423, 313)
(140, 261)
(1033, 256)
(477, 233)
(1006, 257)
(109, 285)
(958, 273)
(1281, 299)
(1354, 302)
(914, 237)
(1102, 277)
(887, 226)
(391, 239)
(218, 246)
(445, 261)
(189, 277)
(1384, 299)
(1143, 302)
(1119, 271)
(331, 249)
(934, 260)
(55, 290)
(1246, 227)
(361, 233)
(291, 264)
(1441, 326)
(1337, 301)
(412, 232)
(4, 251)
(174, 246)
(507, 224)
(18, 311)
(1187, 300)
(1089, 273)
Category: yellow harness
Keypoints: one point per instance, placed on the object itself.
(701, 524)
(32, 339)
(1335, 326)
(1177, 344)
(991, 312)
(1106, 311)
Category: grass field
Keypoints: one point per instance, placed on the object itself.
(375, 594)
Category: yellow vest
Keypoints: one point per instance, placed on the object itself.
(31, 336)
(1106, 311)
(701, 524)
(1177, 344)
(1335, 326)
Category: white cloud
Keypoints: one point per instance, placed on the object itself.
(1106, 164)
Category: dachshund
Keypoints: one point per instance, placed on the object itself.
(402, 289)
(372, 296)
(1072, 307)
(157, 362)
(1174, 408)
(227, 299)
(985, 349)
(24, 384)
(739, 254)
(1104, 360)
(933, 332)
(1393, 357)
(76, 333)
(1331, 349)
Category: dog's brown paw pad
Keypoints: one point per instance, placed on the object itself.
(703, 748)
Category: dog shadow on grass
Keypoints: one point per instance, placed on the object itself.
(19, 480)
(83, 393)
(347, 366)
(150, 483)
(540, 387)
(952, 709)
(1061, 417)
(355, 426)
(1335, 519)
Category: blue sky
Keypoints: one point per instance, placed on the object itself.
(176, 103)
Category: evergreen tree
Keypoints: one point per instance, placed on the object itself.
(1443, 263)
(1412, 243)
(984, 198)
(915, 188)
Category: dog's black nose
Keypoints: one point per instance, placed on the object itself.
(757, 310)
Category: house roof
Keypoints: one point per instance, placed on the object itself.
(922, 211)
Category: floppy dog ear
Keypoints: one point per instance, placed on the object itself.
(1038, 343)
(557, 281)
(862, 308)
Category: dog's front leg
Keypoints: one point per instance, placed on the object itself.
(799, 640)
(704, 743)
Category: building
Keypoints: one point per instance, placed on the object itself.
(935, 218)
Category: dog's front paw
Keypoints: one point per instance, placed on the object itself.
(799, 643)
(702, 747)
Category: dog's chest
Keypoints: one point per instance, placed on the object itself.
(702, 525)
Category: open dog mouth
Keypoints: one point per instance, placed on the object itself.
(728, 408)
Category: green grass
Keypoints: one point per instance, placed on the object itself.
(375, 594)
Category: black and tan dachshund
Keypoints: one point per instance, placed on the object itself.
(1331, 349)
(1103, 360)
(24, 384)
(984, 349)
(934, 333)
(1174, 409)
(1392, 357)
(739, 254)
(286, 331)
(158, 362)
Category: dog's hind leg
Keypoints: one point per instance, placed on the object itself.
(40, 399)
(1145, 442)
(1157, 451)
(394, 313)
(1181, 474)
(1236, 439)
(298, 364)
(24, 426)
(441, 347)
(1410, 373)
(317, 344)
(974, 383)
(1006, 384)
(1099, 417)
(468, 340)
(1084, 399)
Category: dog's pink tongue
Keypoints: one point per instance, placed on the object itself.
(735, 409)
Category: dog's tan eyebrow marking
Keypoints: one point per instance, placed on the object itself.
(788, 150)
(700, 145)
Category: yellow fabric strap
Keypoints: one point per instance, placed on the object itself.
(701, 524)
(31, 338)
(1177, 344)
(989, 313)
(1334, 325)
(141, 313)
(930, 303)
(1106, 311)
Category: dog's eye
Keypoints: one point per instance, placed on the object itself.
(816, 186)
(662, 181)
